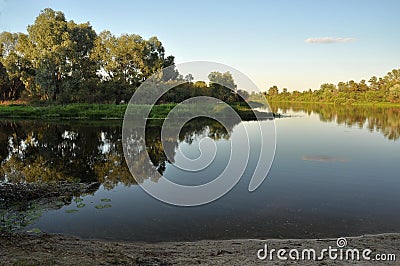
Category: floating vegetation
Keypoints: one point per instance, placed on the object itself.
(105, 200)
(22, 204)
(77, 200)
(15, 218)
(72, 211)
(105, 206)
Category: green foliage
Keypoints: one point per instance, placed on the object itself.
(126, 61)
(394, 93)
(63, 62)
(382, 90)
(4, 82)
(102, 111)
(224, 79)
(17, 216)
(273, 91)
(222, 86)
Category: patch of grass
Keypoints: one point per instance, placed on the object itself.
(70, 111)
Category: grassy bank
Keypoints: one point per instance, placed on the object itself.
(71, 111)
(96, 111)
(117, 112)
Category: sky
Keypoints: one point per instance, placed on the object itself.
(296, 44)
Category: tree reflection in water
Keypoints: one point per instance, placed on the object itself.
(81, 152)
(385, 120)
(33, 151)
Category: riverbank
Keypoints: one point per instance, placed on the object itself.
(65, 250)
(23, 203)
(23, 193)
(117, 112)
(70, 111)
(46, 249)
(100, 111)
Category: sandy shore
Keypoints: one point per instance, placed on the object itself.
(65, 250)
(23, 249)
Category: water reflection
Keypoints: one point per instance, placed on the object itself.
(49, 152)
(316, 188)
(34, 151)
(385, 120)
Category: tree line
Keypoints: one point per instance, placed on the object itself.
(60, 61)
(384, 89)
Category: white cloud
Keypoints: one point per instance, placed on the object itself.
(325, 40)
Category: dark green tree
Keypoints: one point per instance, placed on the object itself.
(4, 82)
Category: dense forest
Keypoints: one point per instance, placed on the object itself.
(384, 89)
(60, 61)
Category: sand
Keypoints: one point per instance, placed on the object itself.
(65, 250)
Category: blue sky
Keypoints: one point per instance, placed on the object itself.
(266, 40)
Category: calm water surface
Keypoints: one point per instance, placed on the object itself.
(336, 172)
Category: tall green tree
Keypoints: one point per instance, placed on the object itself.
(4, 82)
(60, 53)
(48, 47)
(19, 69)
(273, 90)
(128, 60)
(223, 86)
(394, 93)
(81, 83)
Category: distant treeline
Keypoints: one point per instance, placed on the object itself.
(376, 90)
(60, 61)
